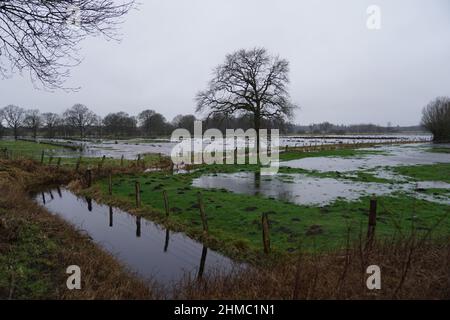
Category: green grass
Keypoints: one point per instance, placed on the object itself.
(295, 155)
(27, 264)
(438, 150)
(234, 219)
(27, 147)
(69, 158)
(432, 172)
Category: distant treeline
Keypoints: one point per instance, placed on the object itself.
(79, 121)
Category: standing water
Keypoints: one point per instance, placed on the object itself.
(148, 249)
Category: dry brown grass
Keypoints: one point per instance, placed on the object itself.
(410, 269)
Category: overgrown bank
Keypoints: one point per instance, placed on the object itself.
(37, 247)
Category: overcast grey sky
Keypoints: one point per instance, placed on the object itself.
(341, 71)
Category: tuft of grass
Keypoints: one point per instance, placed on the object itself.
(431, 172)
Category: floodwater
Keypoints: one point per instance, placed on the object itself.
(130, 149)
(145, 247)
(306, 190)
(393, 156)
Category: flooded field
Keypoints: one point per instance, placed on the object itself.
(391, 156)
(145, 247)
(130, 149)
(305, 189)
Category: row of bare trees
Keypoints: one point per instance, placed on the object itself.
(81, 122)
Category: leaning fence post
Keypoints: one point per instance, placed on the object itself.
(372, 218)
(202, 212)
(42, 156)
(166, 203)
(137, 188)
(265, 229)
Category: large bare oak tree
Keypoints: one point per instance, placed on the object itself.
(249, 82)
(42, 36)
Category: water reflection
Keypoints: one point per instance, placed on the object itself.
(111, 217)
(144, 246)
(201, 270)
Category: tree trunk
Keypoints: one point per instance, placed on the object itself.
(15, 133)
(257, 121)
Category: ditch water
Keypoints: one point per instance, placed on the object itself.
(146, 248)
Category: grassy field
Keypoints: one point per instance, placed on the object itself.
(234, 219)
(294, 154)
(433, 172)
(56, 154)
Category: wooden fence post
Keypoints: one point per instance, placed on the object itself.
(372, 218)
(89, 177)
(265, 230)
(77, 166)
(137, 188)
(42, 156)
(100, 165)
(166, 203)
(121, 161)
(110, 183)
(202, 212)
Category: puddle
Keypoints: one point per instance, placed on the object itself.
(396, 156)
(306, 190)
(145, 247)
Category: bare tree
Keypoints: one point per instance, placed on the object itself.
(80, 117)
(119, 124)
(436, 118)
(184, 121)
(33, 121)
(50, 121)
(42, 36)
(249, 82)
(14, 117)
